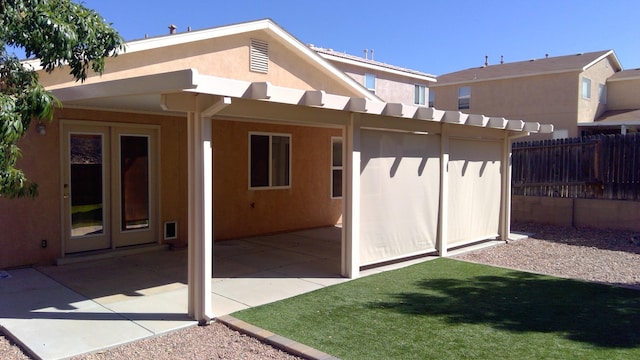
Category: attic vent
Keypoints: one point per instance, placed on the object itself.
(259, 57)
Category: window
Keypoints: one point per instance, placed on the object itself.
(432, 98)
(336, 167)
(370, 82)
(586, 88)
(602, 93)
(464, 97)
(419, 95)
(269, 160)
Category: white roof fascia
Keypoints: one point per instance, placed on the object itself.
(604, 56)
(196, 35)
(266, 24)
(376, 67)
(314, 57)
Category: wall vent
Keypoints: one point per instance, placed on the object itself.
(259, 57)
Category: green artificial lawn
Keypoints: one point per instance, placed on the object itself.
(450, 309)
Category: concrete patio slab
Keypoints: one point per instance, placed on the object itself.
(57, 312)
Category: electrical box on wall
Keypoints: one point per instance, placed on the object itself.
(170, 230)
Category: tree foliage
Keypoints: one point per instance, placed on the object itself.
(59, 33)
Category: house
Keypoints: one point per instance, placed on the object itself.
(571, 92)
(622, 114)
(390, 83)
(242, 130)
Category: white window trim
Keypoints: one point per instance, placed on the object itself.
(602, 93)
(464, 97)
(271, 135)
(423, 98)
(335, 139)
(375, 80)
(585, 80)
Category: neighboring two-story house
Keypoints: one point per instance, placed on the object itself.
(390, 83)
(570, 92)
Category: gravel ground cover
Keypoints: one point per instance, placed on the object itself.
(603, 256)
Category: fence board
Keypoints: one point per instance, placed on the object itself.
(600, 166)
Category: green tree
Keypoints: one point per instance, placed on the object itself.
(58, 33)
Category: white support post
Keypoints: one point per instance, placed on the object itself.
(351, 200)
(200, 217)
(443, 223)
(505, 198)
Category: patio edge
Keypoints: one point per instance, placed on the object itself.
(275, 340)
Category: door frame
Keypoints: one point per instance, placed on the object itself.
(112, 174)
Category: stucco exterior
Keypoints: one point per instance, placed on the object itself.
(622, 92)
(548, 90)
(239, 211)
(26, 223)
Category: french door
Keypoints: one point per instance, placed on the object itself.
(109, 186)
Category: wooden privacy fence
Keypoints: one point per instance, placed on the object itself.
(600, 167)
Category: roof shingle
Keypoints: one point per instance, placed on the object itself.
(558, 64)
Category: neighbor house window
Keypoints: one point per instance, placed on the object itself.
(586, 88)
(432, 98)
(464, 97)
(269, 160)
(370, 82)
(336, 167)
(602, 93)
(419, 94)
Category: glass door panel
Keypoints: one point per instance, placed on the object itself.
(86, 184)
(135, 187)
(134, 182)
(86, 190)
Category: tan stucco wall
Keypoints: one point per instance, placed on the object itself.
(589, 110)
(26, 222)
(545, 99)
(239, 211)
(226, 57)
(604, 214)
(623, 94)
(549, 99)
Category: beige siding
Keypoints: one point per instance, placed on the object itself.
(240, 211)
(26, 222)
(546, 99)
(591, 109)
(623, 95)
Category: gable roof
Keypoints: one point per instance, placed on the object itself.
(549, 65)
(266, 25)
(337, 56)
(631, 74)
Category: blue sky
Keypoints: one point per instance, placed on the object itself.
(433, 36)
